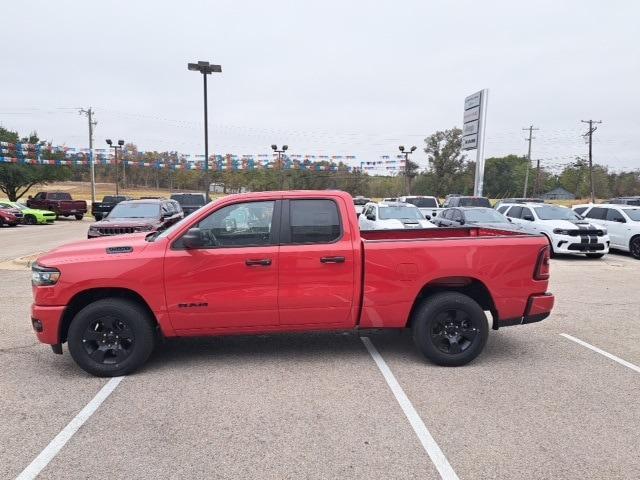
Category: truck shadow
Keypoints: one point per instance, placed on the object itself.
(309, 347)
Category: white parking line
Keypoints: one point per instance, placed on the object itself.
(431, 447)
(67, 432)
(602, 352)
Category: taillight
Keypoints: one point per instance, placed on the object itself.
(542, 265)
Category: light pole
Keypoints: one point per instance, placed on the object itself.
(407, 164)
(205, 68)
(115, 155)
(274, 147)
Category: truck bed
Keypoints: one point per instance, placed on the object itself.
(401, 265)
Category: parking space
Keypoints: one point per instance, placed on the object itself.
(533, 405)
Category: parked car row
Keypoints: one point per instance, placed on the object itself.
(14, 213)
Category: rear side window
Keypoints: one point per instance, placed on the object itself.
(514, 212)
(614, 215)
(314, 221)
(60, 196)
(474, 202)
(598, 213)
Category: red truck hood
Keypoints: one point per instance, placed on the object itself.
(95, 248)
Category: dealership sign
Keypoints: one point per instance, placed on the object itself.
(473, 125)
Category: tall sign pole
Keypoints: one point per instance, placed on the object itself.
(473, 133)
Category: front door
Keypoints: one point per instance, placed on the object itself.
(232, 281)
(616, 225)
(317, 264)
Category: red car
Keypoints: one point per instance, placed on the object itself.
(8, 218)
(285, 262)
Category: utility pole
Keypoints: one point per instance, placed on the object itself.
(526, 175)
(590, 135)
(89, 113)
(408, 164)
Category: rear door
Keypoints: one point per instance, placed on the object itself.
(317, 263)
(232, 281)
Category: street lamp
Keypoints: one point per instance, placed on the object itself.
(115, 154)
(274, 147)
(205, 68)
(407, 164)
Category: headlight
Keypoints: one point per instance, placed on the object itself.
(93, 228)
(44, 276)
(561, 231)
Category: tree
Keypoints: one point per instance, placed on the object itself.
(504, 176)
(446, 160)
(17, 179)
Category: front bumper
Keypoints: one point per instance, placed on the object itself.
(46, 323)
(538, 308)
(566, 244)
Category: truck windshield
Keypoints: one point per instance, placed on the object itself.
(189, 199)
(135, 210)
(423, 202)
(113, 199)
(401, 213)
(554, 212)
(474, 202)
(481, 215)
(633, 213)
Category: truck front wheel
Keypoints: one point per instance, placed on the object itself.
(111, 337)
(79, 217)
(450, 329)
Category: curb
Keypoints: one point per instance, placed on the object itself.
(20, 263)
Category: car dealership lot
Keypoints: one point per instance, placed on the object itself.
(534, 405)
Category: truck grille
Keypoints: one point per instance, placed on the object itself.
(585, 232)
(116, 230)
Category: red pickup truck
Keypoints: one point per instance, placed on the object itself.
(285, 262)
(59, 202)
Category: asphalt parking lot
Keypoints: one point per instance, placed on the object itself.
(534, 405)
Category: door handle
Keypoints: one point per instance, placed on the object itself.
(264, 262)
(331, 259)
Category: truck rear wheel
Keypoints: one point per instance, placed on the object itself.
(111, 337)
(450, 329)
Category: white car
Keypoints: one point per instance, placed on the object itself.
(429, 206)
(622, 222)
(392, 215)
(359, 203)
(567, 231)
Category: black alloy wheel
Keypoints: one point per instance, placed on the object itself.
(453, 331)
(634, 247)
(30, 220)
(108, 340)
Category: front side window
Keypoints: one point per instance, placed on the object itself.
(314, 221)
(597, 213)
(514, 212)
(580, 210)
(526, 213)
(503, 209)
(239, 225)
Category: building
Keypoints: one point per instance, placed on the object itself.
(558, 193)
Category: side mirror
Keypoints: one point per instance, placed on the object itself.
(619, 220)
(462, 222)
(528, 217)
(371, 217)
(192, 239)
(509, 218)
(358, 214)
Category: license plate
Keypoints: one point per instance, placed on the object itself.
(72, 211)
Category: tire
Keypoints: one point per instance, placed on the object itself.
(111, 337)
(595, 255)
(98, 217)
(79, 217)
(30, 220)
(449, 316)
(634, 247)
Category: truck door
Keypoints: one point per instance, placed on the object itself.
(232, 281)
(317, 263)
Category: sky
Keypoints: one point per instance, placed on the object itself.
(332, 77)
